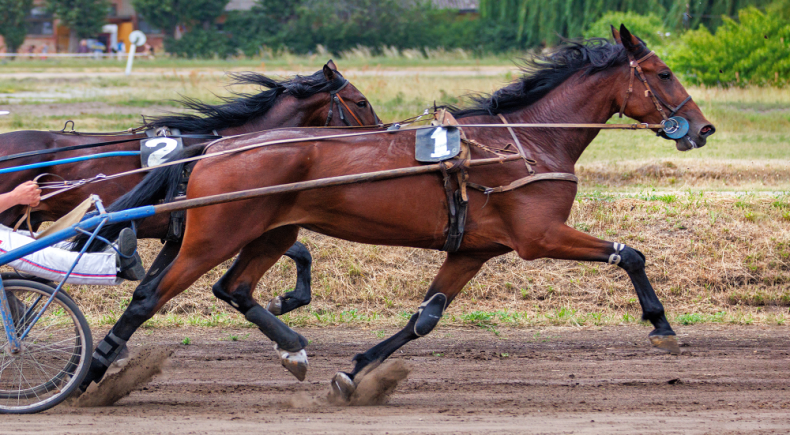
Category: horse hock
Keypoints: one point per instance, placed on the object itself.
(301, 294)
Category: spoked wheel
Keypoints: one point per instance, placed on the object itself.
(55, 355)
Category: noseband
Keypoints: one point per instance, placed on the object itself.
(337, 100)
(674, 127)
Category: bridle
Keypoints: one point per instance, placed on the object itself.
(673, 127)
(337, 100)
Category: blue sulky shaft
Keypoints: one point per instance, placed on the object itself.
(69, 160)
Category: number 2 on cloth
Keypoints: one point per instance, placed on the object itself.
(159, 156)
(439, 137)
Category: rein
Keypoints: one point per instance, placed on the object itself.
(102, 177)
(99, 144)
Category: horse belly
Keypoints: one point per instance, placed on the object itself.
(403, 212)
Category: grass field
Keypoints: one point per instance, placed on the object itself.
(712, 257)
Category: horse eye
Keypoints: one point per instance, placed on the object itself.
(362, 104)
(665, 75)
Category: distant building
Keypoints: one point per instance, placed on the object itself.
(463, 6)
(46, 30)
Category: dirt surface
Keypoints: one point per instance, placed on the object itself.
(550, 380)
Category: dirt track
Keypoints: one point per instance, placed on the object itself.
(552, 380)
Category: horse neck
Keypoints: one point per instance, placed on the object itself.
(579, 100)
(288, 111)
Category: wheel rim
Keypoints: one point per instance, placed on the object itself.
(42, 372)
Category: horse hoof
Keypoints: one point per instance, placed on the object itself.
(342, 387)
(276, 306)
(294, 362)
(668, 343)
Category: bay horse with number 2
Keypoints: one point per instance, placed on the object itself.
(313, 100)
(579, 83)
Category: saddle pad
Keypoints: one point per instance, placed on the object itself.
(437, 144)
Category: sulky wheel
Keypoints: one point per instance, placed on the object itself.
(55, 355)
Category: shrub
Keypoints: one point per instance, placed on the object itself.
(751, 51)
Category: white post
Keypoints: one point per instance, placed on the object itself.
(132, 49)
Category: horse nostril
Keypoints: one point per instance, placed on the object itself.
(707, 131)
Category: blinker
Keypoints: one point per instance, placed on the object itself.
(675, 127)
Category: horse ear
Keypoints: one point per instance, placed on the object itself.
(328, 73)
(616, 35)
(331, 65)
(630, 42)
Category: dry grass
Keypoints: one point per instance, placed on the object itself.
(710, 258)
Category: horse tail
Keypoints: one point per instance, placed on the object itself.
(159, 184)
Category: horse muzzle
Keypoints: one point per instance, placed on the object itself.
(678, 129)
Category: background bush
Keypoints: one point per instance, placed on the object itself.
(757, 47)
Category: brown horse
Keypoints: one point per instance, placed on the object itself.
(297, 102)
(579, 83)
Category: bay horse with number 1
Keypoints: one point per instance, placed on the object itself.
(584, 82)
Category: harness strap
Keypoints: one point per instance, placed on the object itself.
(527, 161)
(561, 176)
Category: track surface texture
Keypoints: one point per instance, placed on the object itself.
(551, 380)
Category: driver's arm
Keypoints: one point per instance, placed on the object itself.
(26, 193)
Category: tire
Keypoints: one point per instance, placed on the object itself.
(55, 356)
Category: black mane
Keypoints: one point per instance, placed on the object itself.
(240, 108)
(542, 73)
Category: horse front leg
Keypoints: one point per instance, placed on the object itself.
(456, 271)
(237, 285)
(566, 243)
(301, 294)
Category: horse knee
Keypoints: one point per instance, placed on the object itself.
(628, 258)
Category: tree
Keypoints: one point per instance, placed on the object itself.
(198, 16)
(527, 23)
(168, 14)
(13, 24)
(84, 18)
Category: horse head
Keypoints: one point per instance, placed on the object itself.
(659, 98)
(347, 105)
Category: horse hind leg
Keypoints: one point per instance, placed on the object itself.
(301, 294)
(237, 285)
(456, 271)
(567, 243)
